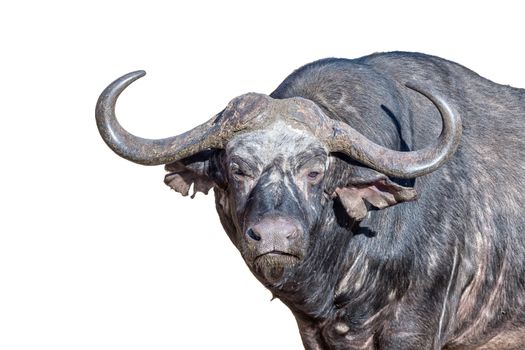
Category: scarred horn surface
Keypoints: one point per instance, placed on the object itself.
(412, 164)
(212, 134)
(256, 111)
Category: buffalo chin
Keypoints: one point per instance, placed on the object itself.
(271, 266)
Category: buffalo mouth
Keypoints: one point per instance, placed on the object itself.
(271, 265)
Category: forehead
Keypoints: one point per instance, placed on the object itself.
(278, 139)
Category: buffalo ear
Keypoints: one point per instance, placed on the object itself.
(380, 193)
(196, 170)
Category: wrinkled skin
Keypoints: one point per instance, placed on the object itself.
(274, 173)
(272, 177)
(272, 194)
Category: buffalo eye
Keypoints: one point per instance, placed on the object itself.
(312, 175)
(237, 172)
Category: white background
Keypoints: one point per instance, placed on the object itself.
(95, 252)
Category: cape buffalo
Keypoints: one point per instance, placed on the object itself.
(379, 198)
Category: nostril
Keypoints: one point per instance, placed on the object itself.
(251, 233)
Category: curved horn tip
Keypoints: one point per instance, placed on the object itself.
(425, 91)
(113, 90)
(436, 98)
(132, 76)
(138, 73)
(412, 85)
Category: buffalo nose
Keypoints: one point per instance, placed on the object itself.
(273, 229)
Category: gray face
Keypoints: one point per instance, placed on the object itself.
(269, 178)
(274, 195)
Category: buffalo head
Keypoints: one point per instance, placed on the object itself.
(271, 163)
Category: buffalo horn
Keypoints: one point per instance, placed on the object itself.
(412, 164)
(148, 151)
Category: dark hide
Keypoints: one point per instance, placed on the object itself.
(446, 271)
